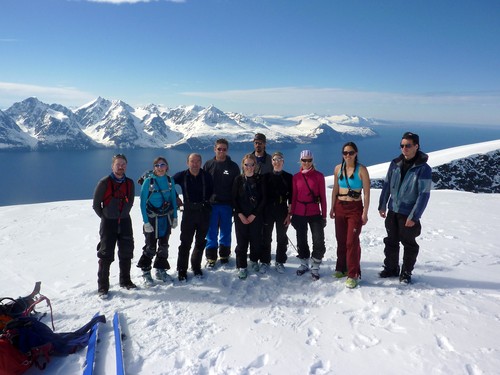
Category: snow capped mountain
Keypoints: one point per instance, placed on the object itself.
(11, 135)
(92, 112)
(115, 127)
(53, 126)
(115, 124)
(319, 128)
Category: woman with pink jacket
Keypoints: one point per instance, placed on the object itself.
(309, 208)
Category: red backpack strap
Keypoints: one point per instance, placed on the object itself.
(108, 193)
(28, 311)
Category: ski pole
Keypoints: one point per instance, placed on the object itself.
(290, 241)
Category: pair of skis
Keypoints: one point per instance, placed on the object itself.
(92, 346)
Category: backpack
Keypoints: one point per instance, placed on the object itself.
(33, 342)
(15, 362)
(12, 361)
(145, 175)
(153, 211)
(114, 191)
(11, 308)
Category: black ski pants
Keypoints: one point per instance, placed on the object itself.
(398, 233)
(275, 215)
(300, 224)
(116, 232)
(248, 234)
(195, 225)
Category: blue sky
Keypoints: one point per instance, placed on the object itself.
(426, 60)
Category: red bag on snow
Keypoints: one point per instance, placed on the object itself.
(15, 362)
(12, 361)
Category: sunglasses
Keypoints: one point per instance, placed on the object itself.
(160, 165)
(351, 153)
(406, 145)
(277, 160)
(306, 160)
(221, 149)
(250, 165)
(258, 143)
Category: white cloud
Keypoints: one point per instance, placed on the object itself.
(69, 96)
(327, 95)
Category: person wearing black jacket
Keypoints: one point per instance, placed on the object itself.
(197, 188)
(112, 202)
(279, 197)
(264, 164)
(249, 199)
(223, 171)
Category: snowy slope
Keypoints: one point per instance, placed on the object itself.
(445, 323)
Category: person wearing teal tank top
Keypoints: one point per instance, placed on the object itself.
(350, 203)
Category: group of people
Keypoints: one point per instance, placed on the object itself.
(258, 196)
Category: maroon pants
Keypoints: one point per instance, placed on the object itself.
(347, 229)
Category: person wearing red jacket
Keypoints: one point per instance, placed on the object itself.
(309, 208)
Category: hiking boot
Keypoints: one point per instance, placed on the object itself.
(224, 260)
(351, 282)
(303, 268)
(198, 274)
(339, 274)
(102, 293)
(182, 276)
(315, 274)
(280, 267)
(263, 268)
(388, 272)
(103, 276)
(161, 274)
(210, 264)
(254, 266)
(128, 284)
(147, 278)
(405, 277)
(242, 274)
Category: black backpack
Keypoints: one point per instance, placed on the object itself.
(12, 308)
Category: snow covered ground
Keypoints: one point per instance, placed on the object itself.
(446, 322)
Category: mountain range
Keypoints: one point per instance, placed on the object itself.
(34, 125)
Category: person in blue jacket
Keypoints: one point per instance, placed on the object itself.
(159, 215)
(405, 192)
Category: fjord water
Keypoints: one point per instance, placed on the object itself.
(33, 177)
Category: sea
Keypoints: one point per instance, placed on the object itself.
(28, 177)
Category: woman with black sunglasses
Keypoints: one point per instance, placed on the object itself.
(249, 200)
(351, 184)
